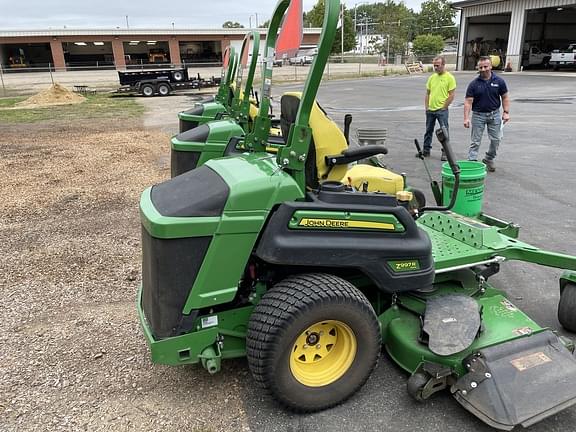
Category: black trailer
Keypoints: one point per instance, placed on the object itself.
(160, 82)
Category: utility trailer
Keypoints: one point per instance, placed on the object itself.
(161, 82)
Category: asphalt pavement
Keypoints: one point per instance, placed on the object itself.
(534, 186)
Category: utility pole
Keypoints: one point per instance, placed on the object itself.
(127, 26)
(342, 34)
(388, 49)
(256, 19)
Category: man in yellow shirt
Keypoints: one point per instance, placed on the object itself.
(439, 95)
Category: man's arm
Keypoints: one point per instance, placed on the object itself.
(450, 98)
(426, 100)
(467, 108)
(505, 108)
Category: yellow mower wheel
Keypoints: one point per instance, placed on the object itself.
(323, 353)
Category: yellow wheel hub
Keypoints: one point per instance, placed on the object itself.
(323, 353)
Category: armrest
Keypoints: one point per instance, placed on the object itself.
(355, 154)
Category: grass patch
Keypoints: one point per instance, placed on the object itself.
(10, 102)
(95, 106)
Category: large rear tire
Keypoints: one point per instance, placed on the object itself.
(567, 307)
(313, 341)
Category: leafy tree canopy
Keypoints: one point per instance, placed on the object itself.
(315, 18)
(437, 17)
(230, 24)
(428, 44)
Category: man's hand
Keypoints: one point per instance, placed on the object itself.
(466, 123)
(505, 117)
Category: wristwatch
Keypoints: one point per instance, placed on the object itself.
(506, 112)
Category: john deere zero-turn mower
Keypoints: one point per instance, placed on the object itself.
(247, 255)
(195, 146)
(208, 139)
(206, 111)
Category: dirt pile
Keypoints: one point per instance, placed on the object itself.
(55, 95)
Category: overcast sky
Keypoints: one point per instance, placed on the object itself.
(36, 14)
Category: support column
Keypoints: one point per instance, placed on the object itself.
(118, 52)
(516, 36)
(174, 47)
(57, 55)
(462, 42)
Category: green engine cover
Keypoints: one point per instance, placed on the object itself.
(256, 185)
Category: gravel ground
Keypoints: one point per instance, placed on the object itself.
(73, 356)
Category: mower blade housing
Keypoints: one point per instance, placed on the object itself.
(518, 382)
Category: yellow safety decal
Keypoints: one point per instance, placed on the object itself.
(339, 223)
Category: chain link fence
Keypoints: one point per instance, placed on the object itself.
(104, 77)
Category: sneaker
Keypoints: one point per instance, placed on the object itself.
(490, 167)
(443, 156)
(425, 153)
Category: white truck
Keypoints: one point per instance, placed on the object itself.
(564, 58)
(533, 57)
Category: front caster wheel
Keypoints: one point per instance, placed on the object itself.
(567, 307)
(312, 341)
(416, 384)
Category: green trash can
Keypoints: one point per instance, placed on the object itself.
(471, 188)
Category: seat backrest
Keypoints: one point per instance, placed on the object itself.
(327, 139)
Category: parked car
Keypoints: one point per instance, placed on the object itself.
(303, 57)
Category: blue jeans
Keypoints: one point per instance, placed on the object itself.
(431, 116)
(492, 121)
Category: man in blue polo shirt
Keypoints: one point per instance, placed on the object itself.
(484, 97)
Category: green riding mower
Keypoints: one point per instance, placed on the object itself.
(279, 258)
(209, 109)
(210, 139)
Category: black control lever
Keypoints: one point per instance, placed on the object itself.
(433, 183)
(443, 137)
(347, 121)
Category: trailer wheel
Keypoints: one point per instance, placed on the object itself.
(567, 307)
(313, 341)
(163, 89)
(147, 90)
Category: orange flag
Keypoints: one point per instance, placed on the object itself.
(291, 33)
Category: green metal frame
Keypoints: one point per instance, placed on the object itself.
(223, 95)
(292, 156)
(240, 109)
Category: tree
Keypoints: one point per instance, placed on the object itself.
(265, 24)
(428, 44)
(230, 24)
(437, 17)
(390, 22)
(315, 18)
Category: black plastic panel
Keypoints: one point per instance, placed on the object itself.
(182, 161)
(169, 269)
(200, 192)
(185, 125)
(368, 252)
(198, 134)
